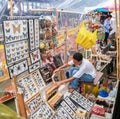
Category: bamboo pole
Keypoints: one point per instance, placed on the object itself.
(119, 43)
(11, 8)
(116, 34)
(65, 45)
(21, 105)
(19, 100)
(51, 10)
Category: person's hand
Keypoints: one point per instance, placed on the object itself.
(57, 84)
(55, 71)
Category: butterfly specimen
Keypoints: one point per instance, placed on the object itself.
(25, 35)
(24, 22)
(17, 37)
(7, 30)
(16, 28)
(12, 71)
(13, 49)
(7, 24)
(35, 55)
(18, 68)
(8, 56)
(24, 28)
(8, 50)
(13, 38)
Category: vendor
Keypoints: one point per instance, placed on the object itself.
(83, 71)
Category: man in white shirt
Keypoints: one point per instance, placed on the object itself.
(83, 70)
(107, 28)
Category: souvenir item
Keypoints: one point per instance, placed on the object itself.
(68, 109)
(50, 92)
(36, 115)
(46, 74)
(56, 77)
(48, 23)
(57, 116)
(42, 35)
(34, 66)
(4, 73)
(47, 111)
(71, 104)
(54, 99)
(48, 34)
(42, 23)
(77, 117)
(16, 51)
(64, 113)
(31, 34)
(1, 33)
(98, 110)
(44, 112)
(28, 86)
(38, 79)
(42, 45)
(18, 68)
(34, 103)
(15, 30)
(57, 60)
(81, 113)
(36, 27)
(81, 101)
(35, 56)
(54, 32)
(7, 93)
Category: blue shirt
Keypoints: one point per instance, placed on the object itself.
(107, 25)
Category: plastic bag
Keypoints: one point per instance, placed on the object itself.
(86, 38)
(7, 113)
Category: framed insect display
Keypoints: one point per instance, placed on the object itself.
(57, 116)
(68, 109)
(44, 112)
(71, 104)
(31, 34)
(38, 79)
(28, 86)
(57, 60)
(36, 115)
(34, 66)
(1, 33)
(36, 28)
(16, 51)
(15, 30)
(18, 68)
(64, 113)
(35, 56)
(81, 101)
(35, 103)
(46, 74)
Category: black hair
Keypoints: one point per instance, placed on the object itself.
(109, 16)
(78, 56)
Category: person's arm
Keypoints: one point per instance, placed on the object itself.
(78, 74)
(61, 67)
(57, 84)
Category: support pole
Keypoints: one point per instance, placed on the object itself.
(65, 45)
(117, 15)
(20, 105)
(11, 8)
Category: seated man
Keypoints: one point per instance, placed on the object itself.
(83, 70)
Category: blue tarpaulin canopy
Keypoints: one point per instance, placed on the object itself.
(101, 10)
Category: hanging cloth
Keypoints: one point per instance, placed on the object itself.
(86, 38)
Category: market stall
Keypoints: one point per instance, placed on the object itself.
(33, 48)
